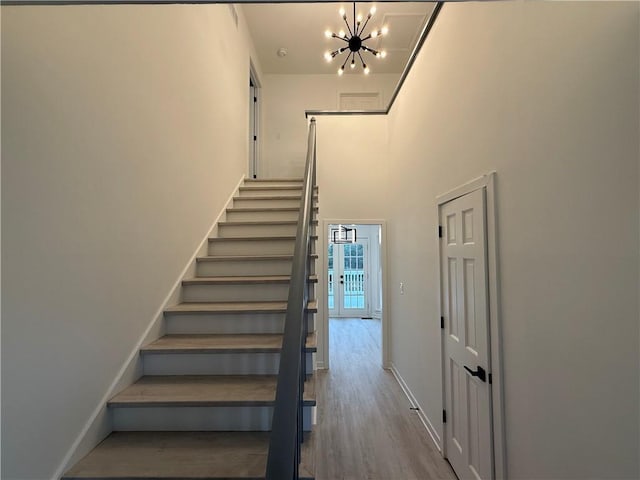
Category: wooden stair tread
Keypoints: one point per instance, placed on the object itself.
(256, 239)
(266, 209)
(269, 197)
(222, 343)
(204, 390)
(257, 180)
(235, 307)
(243, 280)
(261, 222)
(182, 455)
(253, 188)
(244, 258)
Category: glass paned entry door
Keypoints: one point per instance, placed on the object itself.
(348, 279)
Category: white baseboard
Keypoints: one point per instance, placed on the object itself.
(414, 404)
(99, 424)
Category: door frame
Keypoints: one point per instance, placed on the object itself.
(486, 182)
(323, 310)
(253, 154)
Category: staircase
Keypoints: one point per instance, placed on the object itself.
(203, 407)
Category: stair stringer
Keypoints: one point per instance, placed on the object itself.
(99, 424)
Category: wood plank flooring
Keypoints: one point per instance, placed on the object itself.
(365, 428)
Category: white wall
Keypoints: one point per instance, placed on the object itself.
(547, 95)
(124, 131)
(285, 99)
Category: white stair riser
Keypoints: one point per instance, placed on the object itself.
(236, 216)
(263, 191)
(249, 202)
(279, 183)
(236, 293)
(198, 418)
(255, 230)
(216, 363)
(229, 323)
(259, 267)
(251, 247)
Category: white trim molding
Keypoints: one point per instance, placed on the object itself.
(419, 410)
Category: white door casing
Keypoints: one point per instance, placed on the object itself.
(466, 344)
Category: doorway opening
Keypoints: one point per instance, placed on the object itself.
(354, 288)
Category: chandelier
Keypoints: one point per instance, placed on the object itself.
(355, 40)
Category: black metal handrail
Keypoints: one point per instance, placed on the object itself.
(287, 429)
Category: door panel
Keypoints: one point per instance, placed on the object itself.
(468, 436)
(348, 294)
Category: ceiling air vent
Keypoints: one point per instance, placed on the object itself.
(360, 101)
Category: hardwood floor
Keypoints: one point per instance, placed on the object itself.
(365, 428)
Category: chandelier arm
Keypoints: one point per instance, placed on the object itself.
(346, 60)
(361, 60)
(365, 23)
(348, 27)
(366, 38)
(370, 50)
(340, 38)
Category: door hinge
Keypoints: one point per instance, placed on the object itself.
(439, 231)
(255, 99)
(441, 322)
(255, 137)
(444, 416)
(490, 378)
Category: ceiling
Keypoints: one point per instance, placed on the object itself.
(299, 28)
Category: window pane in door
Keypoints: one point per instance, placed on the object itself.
(353, 288)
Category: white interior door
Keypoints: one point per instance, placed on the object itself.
(348, 279)
(466, 358)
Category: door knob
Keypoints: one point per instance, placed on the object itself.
(480, 373)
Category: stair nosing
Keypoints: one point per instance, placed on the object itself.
(255, 239)
(240, 307)
(252, 258)
(242, 280)
(265, 209)
(310, 345)
(266, 223)
(180, 399)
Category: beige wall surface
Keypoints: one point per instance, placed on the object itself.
(124, 132)
(285, 99)
(546, 94)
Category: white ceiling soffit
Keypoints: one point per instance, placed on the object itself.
(300, 27)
